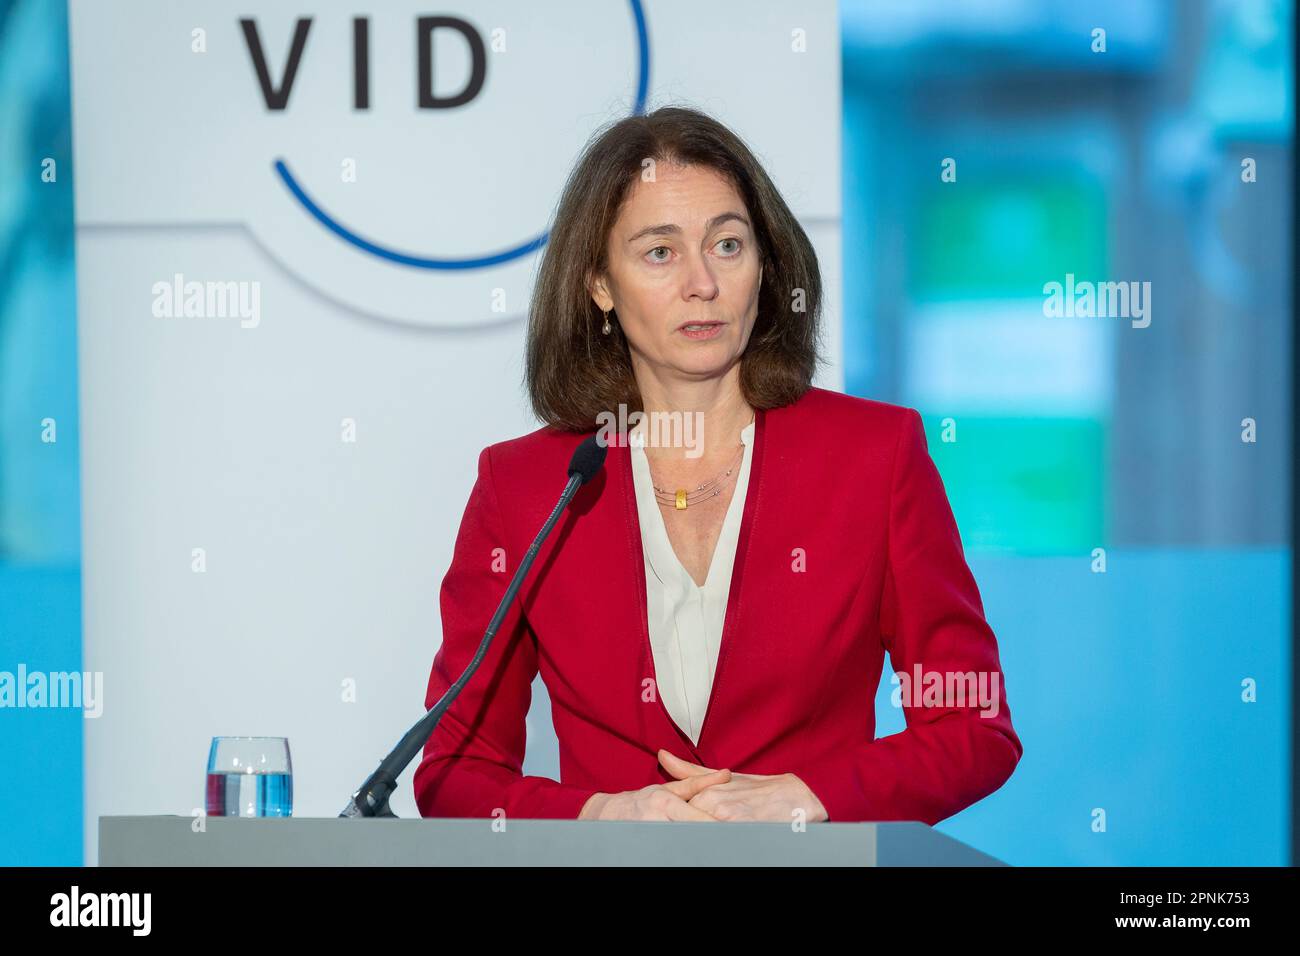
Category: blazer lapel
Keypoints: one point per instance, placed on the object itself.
(621, 460)
(734, 600)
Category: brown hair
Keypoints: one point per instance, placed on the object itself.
(573, 371)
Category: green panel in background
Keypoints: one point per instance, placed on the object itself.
(1033, 486)
(1004, 237)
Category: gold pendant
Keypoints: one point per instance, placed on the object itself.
(681, 499)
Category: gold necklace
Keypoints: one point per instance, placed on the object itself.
(681, 498)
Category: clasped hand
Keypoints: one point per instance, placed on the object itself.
(703, 793)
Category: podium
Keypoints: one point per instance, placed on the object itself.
(329, 841)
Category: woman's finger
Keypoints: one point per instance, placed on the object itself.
(680, 768)
(684, 811)
(690, 786)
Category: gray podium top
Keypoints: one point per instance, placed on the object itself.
(330, 841)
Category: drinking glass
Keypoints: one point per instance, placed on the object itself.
(249, 777)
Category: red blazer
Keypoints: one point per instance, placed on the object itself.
(847, 550)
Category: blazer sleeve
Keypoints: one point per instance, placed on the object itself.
(954, 751)
(472, 764)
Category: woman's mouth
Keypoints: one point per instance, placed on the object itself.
(701, 330)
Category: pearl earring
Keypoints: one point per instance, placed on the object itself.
(606, 327)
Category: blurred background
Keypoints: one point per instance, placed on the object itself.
(1076, 434)
(1133, 551)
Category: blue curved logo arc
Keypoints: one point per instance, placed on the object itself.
(471, 262)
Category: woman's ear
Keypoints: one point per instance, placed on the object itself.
(599, 293)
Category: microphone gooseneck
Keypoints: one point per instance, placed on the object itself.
(371, 799)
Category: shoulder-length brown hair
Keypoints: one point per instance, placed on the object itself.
(573, 371)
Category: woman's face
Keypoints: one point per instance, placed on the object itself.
(682, 254)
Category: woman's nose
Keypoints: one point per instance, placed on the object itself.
(699, 279)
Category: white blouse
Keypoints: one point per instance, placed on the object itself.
(686, 619)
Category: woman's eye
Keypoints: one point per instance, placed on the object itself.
(657, 249)
(737, 245)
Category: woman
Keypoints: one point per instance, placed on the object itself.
(711, 614)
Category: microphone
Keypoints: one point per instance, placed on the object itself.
(371, 799)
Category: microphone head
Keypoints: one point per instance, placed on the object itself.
(588, 458)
